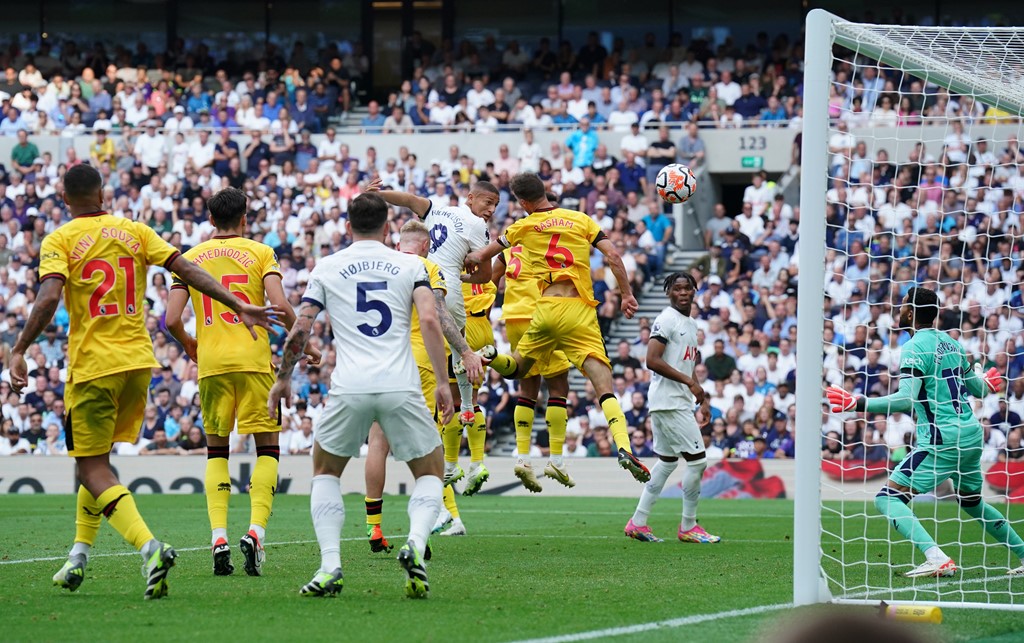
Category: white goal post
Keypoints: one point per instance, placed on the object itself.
(844, 551)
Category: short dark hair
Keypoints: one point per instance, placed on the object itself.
(82, 181)
(367, 213)
(676, 276)
(227, 207)
(527, 186)
(485, 186)
(925, 303)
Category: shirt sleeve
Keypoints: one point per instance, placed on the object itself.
(911, 362)
(437, 281)
(53, 258)
(660, 330)
(478, 239)
(514, 233)
(593, 230)
(422, 278)
(270, 264)
(157, 251)
(315, 293)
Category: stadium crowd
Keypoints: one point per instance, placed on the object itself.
(165, 133)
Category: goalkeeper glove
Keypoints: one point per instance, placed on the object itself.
(840, 400)
(990, 377)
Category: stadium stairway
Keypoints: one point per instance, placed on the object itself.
(651, 301)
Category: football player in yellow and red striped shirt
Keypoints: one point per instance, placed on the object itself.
(99, 261)
(556, 246)
(235, 376)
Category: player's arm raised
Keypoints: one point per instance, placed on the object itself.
(656, 362)
(473, 363)
(498, 269)
(294, 345)
(901, 401)
(476, 259)
(176, 302)
(275, 295)
(614, 261)
(433, 341)
(202, 281)
(42, 312)
(419, 205)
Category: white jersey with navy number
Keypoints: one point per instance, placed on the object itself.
(679, 334)
(366, 290)
(454, 233)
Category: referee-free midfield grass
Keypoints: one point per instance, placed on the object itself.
(531, 567)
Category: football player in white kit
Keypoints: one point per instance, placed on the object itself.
(368, 292)
(454, 233)
(673, 401)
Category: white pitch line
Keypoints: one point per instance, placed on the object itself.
(44, 559)
(657, 625)
(612, 513)
(937, 589)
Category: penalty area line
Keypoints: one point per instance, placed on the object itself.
(657, 625)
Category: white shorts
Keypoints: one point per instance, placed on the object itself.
(345, 424)
(676, 432)
(456, 303)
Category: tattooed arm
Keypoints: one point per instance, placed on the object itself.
(293, 352)
(474, 365)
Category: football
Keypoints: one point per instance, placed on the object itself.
(676, 183)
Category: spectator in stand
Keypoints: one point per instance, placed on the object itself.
(720, 365)
(374, 120)
(659, 154)
(691, 147)
(397, 123)
(583, 142)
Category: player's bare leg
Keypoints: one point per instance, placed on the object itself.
(600, 375)
(557, 417)
(328, 513)
(376, 467)
(424, 505)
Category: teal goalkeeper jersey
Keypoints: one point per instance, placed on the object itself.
(941, 407)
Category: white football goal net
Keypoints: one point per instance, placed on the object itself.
(911, 175)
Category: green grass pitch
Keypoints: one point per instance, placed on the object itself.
(531, 567)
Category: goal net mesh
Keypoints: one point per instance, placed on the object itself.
(926, 188)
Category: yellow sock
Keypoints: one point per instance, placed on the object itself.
(449, 501)
(523, 416)
(451, 436)
(263, 485)
(477, 436)
(504, 364)
(557, 417)
(218, 486)
(118, 506)
(616, 422)
(374, 507)
(87, 517)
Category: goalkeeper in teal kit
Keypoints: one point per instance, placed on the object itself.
(937, 378)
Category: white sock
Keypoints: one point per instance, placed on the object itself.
(424, 505)
(218, 533)
(328, 518)
(449, 467)
(148, 549)
(935, 555)
(652, 490)
(523, 458)
(691, 492)
(465, 392)
(556, 460)
(80, 549)
(261, 531)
